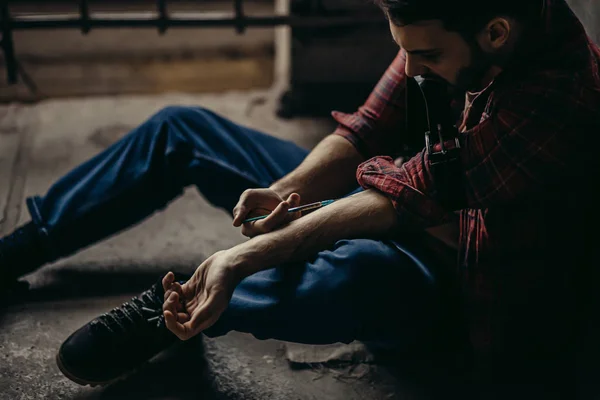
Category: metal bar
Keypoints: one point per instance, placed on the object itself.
(149, 20)
(239, 16)
(7, 44)
(163, 17)
(162, 20)
(84, 11)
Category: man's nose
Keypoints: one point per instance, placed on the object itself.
(413, 68)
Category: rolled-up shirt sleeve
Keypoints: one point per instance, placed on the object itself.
(410, 187)
(376, 128)
(531, 140)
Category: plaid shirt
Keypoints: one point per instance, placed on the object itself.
(525, 143)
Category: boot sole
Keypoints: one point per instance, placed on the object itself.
(81, 381)
(85, 382)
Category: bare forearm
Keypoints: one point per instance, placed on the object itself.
(367, 214)
(329, 171)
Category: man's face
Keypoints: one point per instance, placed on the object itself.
(434, 53)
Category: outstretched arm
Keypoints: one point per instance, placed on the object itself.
(197, 304)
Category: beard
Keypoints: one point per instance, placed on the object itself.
(470, 78)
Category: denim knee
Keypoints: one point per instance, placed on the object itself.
(174, 112)
(352, 263)
(192, 124)
(189, 115)
(372, 258)
(370, 253)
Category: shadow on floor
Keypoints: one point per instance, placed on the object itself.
(96, 280)
(181, 372)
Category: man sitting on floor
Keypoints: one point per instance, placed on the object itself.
(526, 82)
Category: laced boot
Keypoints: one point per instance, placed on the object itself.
(118, 342)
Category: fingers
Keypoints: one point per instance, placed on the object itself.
(250, 200)
(175, 287)
(205, 317)
(239, 215)
(294, 201)
(275, 218)
(170, 286)
(243, 207)
(183, 317)
(173, 319)
(178, 328)
(167, 280)
(171, 303)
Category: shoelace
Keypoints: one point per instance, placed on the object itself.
(146, 308)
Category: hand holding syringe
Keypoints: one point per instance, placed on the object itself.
(306, 207)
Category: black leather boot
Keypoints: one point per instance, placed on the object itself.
(119, 341)
(21, 252)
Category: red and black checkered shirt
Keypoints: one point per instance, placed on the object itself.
(526, 143)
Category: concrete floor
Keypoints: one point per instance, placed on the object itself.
(39, 143)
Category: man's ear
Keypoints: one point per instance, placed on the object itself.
(495, 35)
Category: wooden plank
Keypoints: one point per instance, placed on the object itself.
(140, 76)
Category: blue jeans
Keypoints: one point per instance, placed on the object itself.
(366, 289)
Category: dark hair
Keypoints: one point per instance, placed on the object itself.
(463, 16)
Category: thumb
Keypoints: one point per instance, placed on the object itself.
(276, 217)
(239, 216)
(294, 200)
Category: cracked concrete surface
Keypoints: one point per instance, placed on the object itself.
(41, 142)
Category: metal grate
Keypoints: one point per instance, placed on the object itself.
(163, 20)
